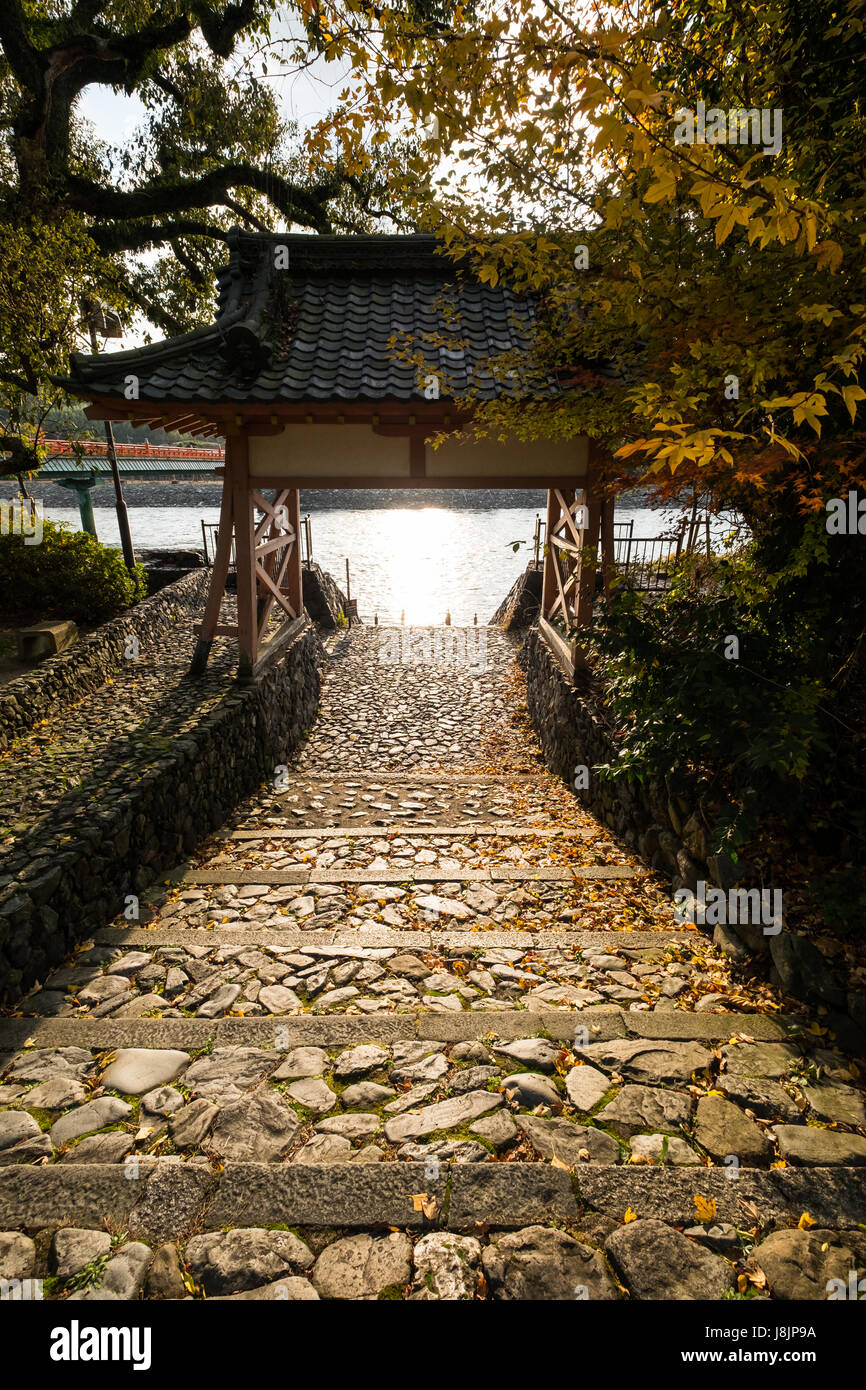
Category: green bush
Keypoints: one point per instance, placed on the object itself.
(68, 575)
(778, 729)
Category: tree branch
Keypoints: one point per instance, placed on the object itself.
(19, 382)
(158, 315)
(195, 273)
(22, 56)
(220, 31)
(136, 237)
(242, 212)
(154, 200)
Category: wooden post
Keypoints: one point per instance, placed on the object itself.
(549, 588)
(294, 577)
(245, 553)
(222, 559)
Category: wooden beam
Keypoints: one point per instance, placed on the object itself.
(294, 577)
(274, 415)
(210, 627)
(560, 544)
(275, 592)
(548, 590)
(281, 637)
(561, 649)
(561, 601)
(568, 517)
(275, 542)
(269, 509)
(238, 450)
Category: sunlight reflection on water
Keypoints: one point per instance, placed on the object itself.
(421, 561)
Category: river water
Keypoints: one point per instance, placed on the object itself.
(423, 562)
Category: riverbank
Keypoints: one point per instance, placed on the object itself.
(207, 494)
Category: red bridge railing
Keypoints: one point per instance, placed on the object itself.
(137, 451)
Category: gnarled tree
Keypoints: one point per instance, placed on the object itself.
(133, 225)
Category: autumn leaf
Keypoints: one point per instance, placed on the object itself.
(663, 188)
(629, 1215)
(706, 1209)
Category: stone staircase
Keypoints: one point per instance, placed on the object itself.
(414, 1025)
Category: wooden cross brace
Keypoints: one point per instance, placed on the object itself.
(267, 557)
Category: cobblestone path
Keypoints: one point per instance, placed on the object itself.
(415, 1025)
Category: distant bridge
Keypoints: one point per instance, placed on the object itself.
(67, 460)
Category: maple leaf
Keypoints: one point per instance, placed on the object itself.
(705, 1208)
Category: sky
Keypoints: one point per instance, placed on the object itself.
(304, 97)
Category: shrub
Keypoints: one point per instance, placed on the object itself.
(68, 575)
(778, 728)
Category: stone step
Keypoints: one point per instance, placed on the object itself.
(453, 775)
(603, 1023)
(495, 873)
(357, 939)
(171, 1200)
(376, 832)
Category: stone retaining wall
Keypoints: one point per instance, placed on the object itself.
(324, 600)
(76, 879)
(63, 680)
(668, 824)
(522, 604)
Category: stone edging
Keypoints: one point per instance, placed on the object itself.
(333, 1030)
(663, 824)
(62, 680)
(165, 1197)
(73, 884)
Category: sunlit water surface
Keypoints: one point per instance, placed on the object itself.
(421, 563)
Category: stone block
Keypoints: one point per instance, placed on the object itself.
(45, 639)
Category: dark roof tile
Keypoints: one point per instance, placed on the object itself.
(331, 327)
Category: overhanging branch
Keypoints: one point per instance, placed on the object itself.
(137, 236)
(157, 199)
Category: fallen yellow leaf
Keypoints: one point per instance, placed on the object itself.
(706, 1209)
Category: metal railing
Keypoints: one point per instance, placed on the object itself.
(210, 534)
(210, 539)
(625, 528)
(646, 561)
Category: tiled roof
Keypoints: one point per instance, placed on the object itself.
(324, 328)
(127, 467)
